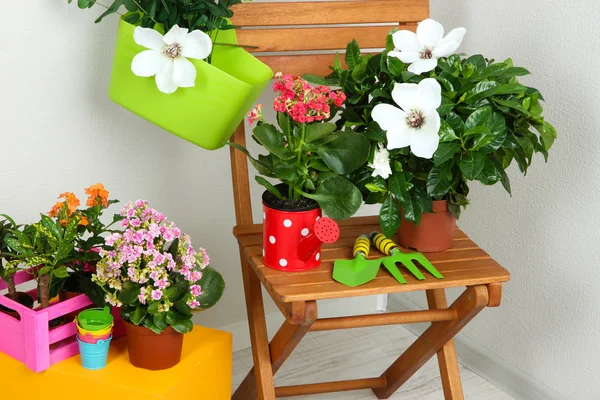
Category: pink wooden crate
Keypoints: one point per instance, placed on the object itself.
(29, 340)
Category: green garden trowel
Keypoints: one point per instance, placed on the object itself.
(395, 255)
(359, 270)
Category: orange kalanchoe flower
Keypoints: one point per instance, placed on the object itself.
(56, 209)
(84, 221)
(97, 192)
(72, 201)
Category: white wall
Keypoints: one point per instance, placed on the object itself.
(60, 132)
(547, 234)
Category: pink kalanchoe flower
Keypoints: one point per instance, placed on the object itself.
(194, 303)
(125, 223)
(154, 275)
(140, 203)
(205, 257)
(135, 222)
(195, 290)
(195, 276)
(161, 283)
(157, 294)
(142, 298)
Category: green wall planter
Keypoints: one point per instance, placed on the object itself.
(206, 114)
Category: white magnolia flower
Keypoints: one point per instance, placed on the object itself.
(381, 163)
(168, 56)
(417, 123)
(422, 50)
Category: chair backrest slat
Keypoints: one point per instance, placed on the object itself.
(303, 29)
(330, 12)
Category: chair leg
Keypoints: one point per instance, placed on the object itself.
(263, 385)
(467, 306)
(447, 355)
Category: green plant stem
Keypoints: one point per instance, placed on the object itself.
(243, 46)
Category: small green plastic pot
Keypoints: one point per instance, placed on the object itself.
(95, 319)
(206, 114)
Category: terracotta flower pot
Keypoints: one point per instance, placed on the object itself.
(434, 233)
(25, 299)
(151, 351)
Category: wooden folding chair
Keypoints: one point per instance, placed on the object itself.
(296, 294)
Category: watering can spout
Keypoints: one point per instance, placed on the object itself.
(325, 230)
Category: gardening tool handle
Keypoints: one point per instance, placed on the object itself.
(383, 244)
(362, 245)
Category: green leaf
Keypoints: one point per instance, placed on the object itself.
(61, 272)
(490, 88)
(53, 228)
(338, 197)
(511, 104)
(472, 164)
(337, 65)
(478, 118)
(129, 293)
(317, 131)
(360, 71)
(160, 320)
(213, 286)
(499, 72)
(497, 126)
(131, 5)
(138, 315)
(548, 134)
(389, 216)
(183, 309)
(505, 182)
(272, 140)
(444, 152)
(17, 246)
(456, 123)
(377, 93)
(317, 80)
(114, 7)
(132, 18)
(395, 66)
(398, 186)
(153, 308)
(64, 250)
(346, 153)
(183, 326)
(389, 40)
(353, 55)
(446, 132)
(489, 175)
(149, 323)
(439, 181)
(269, 186)
(85, 3)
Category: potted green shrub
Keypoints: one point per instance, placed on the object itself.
(160, 72)
(7, 274)
(152, 272)
(312, 159)
(437, 121)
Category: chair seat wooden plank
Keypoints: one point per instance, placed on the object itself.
(329, 12)
(463, 265)
(310, 39)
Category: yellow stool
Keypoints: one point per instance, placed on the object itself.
(204, 373)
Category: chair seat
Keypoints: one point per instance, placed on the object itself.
(465, 264)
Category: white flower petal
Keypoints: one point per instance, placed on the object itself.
(430, 94)
(399, 137)
(164, 79)
(406, 95)
(405, 56)
(197, 45)
(406, 41)
(387, 116)
(450, 43)
(175, 35)
(423, 144)
(423, 66)
(149, 38)
(184, 73)
(148, 63)
(429, 33)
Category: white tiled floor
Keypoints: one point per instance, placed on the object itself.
(361, 353)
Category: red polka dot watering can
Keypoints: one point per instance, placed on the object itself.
(292, 238)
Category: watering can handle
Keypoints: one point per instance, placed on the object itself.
(362, 245)
(383, 244)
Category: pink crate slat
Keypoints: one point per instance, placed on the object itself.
(64, 307)
(37, 346)
(13, 305)
(66, 350)
(11, 333)
(62, 332)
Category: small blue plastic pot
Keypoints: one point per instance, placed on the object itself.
(94, 356)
